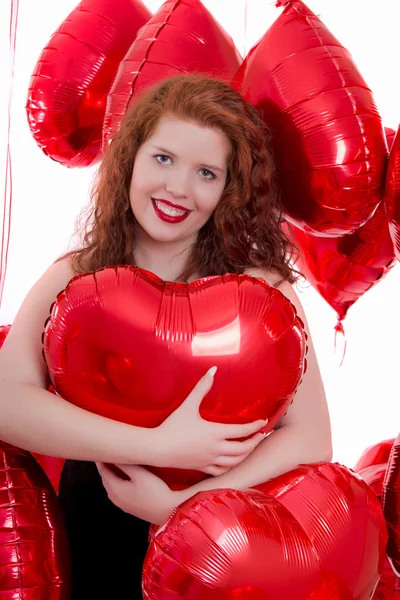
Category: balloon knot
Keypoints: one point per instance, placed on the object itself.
(339, 326)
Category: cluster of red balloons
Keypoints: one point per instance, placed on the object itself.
(340, 192)
(317, 532)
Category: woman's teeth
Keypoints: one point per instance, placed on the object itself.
(169, 210)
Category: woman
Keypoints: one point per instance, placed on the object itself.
(185, 190)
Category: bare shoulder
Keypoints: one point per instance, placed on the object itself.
(286, 288)
(21, 355)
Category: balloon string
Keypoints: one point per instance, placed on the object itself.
(245, 28)
(7, 199)
(339, 329)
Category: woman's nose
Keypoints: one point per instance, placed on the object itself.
(178, 184)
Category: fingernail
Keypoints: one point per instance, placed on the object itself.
(212, 371)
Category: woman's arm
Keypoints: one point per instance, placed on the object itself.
(36, 420)
(304, 435)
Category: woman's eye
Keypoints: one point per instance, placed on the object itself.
(162, 158)
(208, 174)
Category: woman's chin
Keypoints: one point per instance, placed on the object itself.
(168, 233)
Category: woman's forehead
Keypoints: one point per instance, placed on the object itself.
(175, 135)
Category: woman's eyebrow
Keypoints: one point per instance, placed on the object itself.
(211, 167)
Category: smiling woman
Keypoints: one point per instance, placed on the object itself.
(185, 190)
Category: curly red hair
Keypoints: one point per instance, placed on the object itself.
(245, 229)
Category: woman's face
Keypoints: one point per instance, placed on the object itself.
(178, 178)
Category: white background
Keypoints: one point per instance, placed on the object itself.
(363, 393)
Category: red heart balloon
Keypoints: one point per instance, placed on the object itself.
(388, 587)
(328, 139)
(315, 533)
(34, 554)
(372, 466)
(69, 86)
(392, 196)
(181, 37)
(342, 269)
(375, 455)
(122, 343)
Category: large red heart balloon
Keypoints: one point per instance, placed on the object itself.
(69, 86)
(316, 533)
(342, 269)
(328, 139)
(34, 554)
(181, 37)
(122, 343)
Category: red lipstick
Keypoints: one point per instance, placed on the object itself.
(169, 218)
(178, 206)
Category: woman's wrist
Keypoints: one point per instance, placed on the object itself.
(137, 446)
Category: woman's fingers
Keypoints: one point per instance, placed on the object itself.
(230, 432)
(228, 460)
(240, 448)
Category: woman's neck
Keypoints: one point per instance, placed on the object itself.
(167, 261)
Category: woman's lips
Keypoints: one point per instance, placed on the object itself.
(169, 218)
(168, 203)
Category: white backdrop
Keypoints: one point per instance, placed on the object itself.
(363, 393)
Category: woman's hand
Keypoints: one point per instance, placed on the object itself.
(140, 493)
(187, 441)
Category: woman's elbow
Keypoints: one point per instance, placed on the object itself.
(323, 450)
(327, 454)
(318, 449)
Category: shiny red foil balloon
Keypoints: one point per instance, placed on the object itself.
(392, 196)
(391, 505)
(316, 533)
(52, 466)
(124, 344)
(388, 587)
(181, 37)
(342, 269)
(327, 135)
(34, 554)
(375, 455)
(371, 466)
(69, 85)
